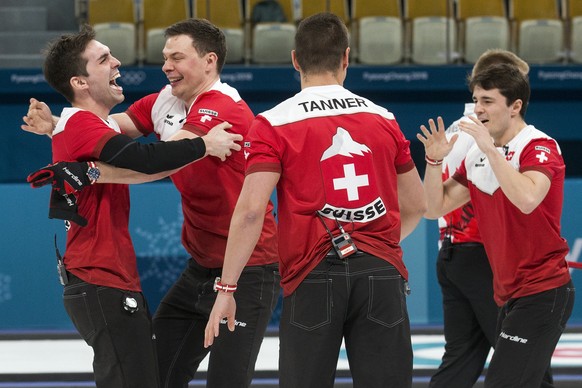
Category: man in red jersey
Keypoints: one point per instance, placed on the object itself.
(196, 100)
(102, 293)
(348, 193)
(463, 269)
(514, 177)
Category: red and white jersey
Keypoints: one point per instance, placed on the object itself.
(459, 225)
(102, 252)
(526, 251)
(209, 187)
(339, 154)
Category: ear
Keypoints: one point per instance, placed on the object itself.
(294, 61)
(346, 59)
(211, 59)
(79, 83)
(516, 107)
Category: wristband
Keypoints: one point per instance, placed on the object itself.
(433, 162)
(218, 286)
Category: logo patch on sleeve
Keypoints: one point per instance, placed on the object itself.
(208, 112)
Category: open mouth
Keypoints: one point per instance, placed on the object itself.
(175, 80)
(113, 83)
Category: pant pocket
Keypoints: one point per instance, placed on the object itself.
(386, 304)
(78, 309)
(311, 304)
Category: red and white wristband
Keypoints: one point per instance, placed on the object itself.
(433, 162)
(219, 286)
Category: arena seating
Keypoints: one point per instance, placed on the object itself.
(115, 24)
(26, 26)
(231, 22)
(271, 42)
(157, 15)
(572, 11)
(378, 30)
(432, 31)
(382, 32)
(482, 25)
(538, 30)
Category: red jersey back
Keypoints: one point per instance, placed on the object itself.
(339, 154)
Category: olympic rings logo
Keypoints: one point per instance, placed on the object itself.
(133, 78)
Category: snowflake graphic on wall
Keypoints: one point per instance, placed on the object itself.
(5, 291)
(165, 257)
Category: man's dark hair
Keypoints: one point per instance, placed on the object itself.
(206, 37)
(320, 43)
(510, 81)
(64, 60)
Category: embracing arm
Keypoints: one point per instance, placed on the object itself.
(39, 120)
(153, 158)
(112, 174)
(157, 160)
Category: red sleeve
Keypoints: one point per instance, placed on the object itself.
(210, 109)
(259, 150)
(542, 155)
(140, 112)
(403, 162)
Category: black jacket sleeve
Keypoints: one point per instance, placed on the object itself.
(123, 151)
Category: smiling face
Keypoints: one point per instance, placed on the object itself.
(189, 73)
(492, 110)
(103, 70)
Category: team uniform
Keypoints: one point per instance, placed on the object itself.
(532, 284)
(101, 263)
(339, 155)
(466, 281)
(209, 190)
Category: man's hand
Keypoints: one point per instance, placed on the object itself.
(65, 177)
(436, 145)
(220, 143)
(480, 133)
(39, 119)
(224, 307)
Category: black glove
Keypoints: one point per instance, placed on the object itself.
(64, 207)
(66, 177)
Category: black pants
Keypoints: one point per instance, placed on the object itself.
(123, 344)
(183, 314)
(529, 329)
(361, 300)
(469, 311)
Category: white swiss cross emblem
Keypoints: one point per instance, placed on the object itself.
(351, 182)
(542, 157)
